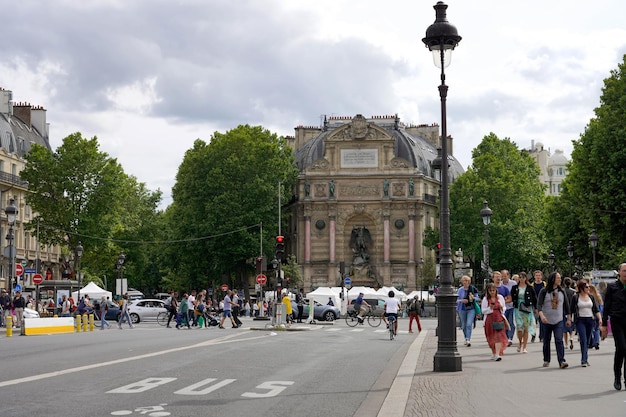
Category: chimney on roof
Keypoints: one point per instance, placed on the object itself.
(6, 102)
(38, 120)
(22, 111)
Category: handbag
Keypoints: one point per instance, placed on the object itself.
(477, 308)
(526, 309)
(497, 325)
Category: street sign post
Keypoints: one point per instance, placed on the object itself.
(261, 279)
(347, 281)
(19, 270)
(225, 287)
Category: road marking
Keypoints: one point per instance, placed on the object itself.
(218, 341)
(395, 402)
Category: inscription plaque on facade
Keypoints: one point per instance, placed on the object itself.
(359, 158)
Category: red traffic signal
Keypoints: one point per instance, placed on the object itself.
(280, 247)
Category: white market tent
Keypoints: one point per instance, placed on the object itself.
(367, 291)
(384, 291)
(422, 295)
(322, 294)
(94, 292)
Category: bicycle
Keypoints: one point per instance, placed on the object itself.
(391, 320)
(162, 317)
(352, 320)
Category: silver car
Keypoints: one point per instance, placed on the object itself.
(145, 309)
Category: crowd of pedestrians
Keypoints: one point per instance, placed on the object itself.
(557, 309)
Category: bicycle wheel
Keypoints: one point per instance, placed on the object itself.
(373, 321)
(162, 318)
(351, 320)
(392, 331)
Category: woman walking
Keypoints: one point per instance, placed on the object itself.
(465, 308)
(594, 342)
(585, 311)
(103, 307)
(552, 305)
(493, 308)
(525, 304)
(124, 313)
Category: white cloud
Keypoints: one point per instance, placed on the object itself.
(149, 77)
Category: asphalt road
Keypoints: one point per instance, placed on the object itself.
(324, 370)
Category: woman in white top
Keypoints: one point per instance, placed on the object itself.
(584, 309)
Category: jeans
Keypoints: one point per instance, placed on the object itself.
(103, 321)
(509, 314)
(125, 316)
(466, 317)
(557, 330)
(584, 327)
(595, 333)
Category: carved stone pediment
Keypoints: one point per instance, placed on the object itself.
(319, 165)
(399, 163)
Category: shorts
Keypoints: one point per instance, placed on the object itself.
(227, 313)
(395, 315)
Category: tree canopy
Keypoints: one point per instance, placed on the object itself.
(224, 190)
(594, 192)
(508, 179)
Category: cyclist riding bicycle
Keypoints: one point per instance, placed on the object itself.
(360, 307)
(391, 308)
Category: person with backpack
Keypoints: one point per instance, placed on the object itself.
(414, 308)
(467, 294)
(172, 306)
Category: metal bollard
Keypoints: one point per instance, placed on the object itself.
(85, 322)
(91, 322)
(78, 323)
(9, 323)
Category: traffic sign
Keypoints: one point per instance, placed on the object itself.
(261, 279)
(19, 270)
(17, 288)
(37, 279)
(225, 287)
(347, 281)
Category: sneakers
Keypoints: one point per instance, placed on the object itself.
(571, 344)
(563, 365)
(546, 364)
(410, 331)
(469, 344)
(510, 344)
(524, 350)
(532, 339)
(498, 358)
(584, 364)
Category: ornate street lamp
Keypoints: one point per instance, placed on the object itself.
(441, 38)
(486, 214)
(551, 260)
(11, 212)
(78, 250)
(570, 255)
(421, 276)
(593, 241)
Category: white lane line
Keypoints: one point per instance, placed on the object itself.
(395, 402)
(218, 341)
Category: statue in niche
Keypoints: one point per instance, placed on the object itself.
(307, 189)
(331, 189)
(386, 188)
(411, 187)
(360, 241)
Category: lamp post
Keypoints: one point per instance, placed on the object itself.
(78, 250)
(593, 241)
(441, 38)
(486, 213)
(570, 255)
(119, 264)
(421, 276)
(551, 260)
(11, 212)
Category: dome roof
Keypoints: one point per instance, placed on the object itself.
(558, 159)
(408, 145)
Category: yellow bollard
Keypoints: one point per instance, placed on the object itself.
(91, 322)
(85, 323)
(78, 324)
(9, 323)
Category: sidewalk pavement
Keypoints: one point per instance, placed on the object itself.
(517, 386)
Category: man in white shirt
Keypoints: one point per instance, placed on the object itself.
(191, 303)
(391, 308)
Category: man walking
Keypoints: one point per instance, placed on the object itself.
(227, 312)
(615, 310)
(538, 285)
(300, 304)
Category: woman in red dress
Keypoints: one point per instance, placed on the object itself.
(495, 324)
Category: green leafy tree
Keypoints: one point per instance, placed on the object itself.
(509, 180)
(79, 193)
(224, 190)
(594, 192)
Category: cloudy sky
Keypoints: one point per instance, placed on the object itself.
(148, 77)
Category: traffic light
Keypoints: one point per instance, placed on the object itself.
(259, 264)
(437, 252)
(280, 247)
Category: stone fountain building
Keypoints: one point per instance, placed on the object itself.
(366, 192)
